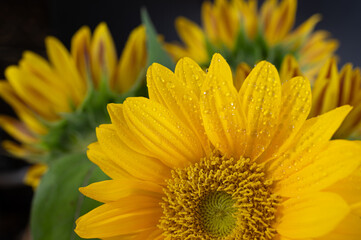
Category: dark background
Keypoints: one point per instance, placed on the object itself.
(24, 25)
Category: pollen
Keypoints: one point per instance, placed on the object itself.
(219, 198)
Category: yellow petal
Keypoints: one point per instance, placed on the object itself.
(132, 60)
(136, 164)
(335, 162)
(17, 129)
(113, 190)
(348, 229)
(301, 33)
(296, 105)
(326, 89)
(289, 68)
(162, 132)
(96, 154)
(221, 109)
(261, 102)
(103, 54)
(281, 21)
(311, 216)
(33, 97)
(167, 89)
(116, 114)
(127, 216)
(21, 151)
(210, 21)
(242, 72)
(299, 151)
(34, 175)
(192, 35)
(349, 188)
(191, 74)
(39, 67)
(65, 67)
(80, 51)
(23, 111)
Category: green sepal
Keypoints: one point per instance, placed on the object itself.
(57, 201)
(156, 52)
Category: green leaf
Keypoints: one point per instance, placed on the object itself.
(156, 52)
(58, 203)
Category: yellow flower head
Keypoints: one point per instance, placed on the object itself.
(335, 88)
(42, 91)
(202, 160)
(243, 34)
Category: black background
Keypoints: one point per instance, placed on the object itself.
(24, 24)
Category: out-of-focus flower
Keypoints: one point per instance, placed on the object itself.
(242, 33)
(59, 100)
(201, 160)
(335, 88)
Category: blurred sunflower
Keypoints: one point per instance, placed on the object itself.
(242, 33)
(335, 88)
(201, 160)
(59, 100)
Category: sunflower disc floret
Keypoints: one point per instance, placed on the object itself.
(219, 198)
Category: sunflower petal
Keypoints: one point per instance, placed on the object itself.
(349, 188)
(138, 165)
(311, 216)
(96, 154)
(165, 88)
(103, 54)
(261, 101)
(191, 74)
(80, 50)
(17, 129)
(127, 216)
(116, 113)
(132, 60)
(113, 190)
(193, 37)
(314, 133)
(296, 105)
(337, 161)
(162, 132)
(220, 108)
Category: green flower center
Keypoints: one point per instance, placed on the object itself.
(217, 213)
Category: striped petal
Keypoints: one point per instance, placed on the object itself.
(96, 154)
(127, 216)
(296, 105)
(136, 164)
(103, 54)
(162, 132)
(114, 190)
(336, 162)
(132, 60)
(220, 108)
(312, 136)
(167, 89)
(261, 102)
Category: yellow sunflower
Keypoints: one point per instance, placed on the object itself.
(242, 33)
(201, 160)
(335, 88)
(44, 92)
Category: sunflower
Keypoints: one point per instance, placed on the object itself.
(43, 93)
(243, 34)
(335, 88)
(201, 160)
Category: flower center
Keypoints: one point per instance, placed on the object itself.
(219, 198)
(217, 212)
